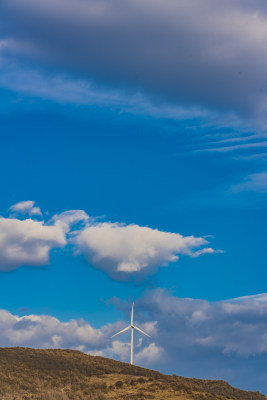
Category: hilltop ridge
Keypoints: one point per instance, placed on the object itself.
(27, 373)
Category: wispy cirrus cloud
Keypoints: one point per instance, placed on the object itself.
(168, 49)
(64, 88)
(254, 182)
(236, 147)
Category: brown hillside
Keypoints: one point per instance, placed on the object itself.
(71, 375)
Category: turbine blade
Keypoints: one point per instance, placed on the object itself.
(140, 330)
(126, 329)
(132, 314)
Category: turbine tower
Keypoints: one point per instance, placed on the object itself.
(132, 327)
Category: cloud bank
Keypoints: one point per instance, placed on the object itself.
(219, 340)
(234, 328)
(122, 251)
(211, 54)
(45, 331)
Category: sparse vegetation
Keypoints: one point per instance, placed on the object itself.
(28, 374)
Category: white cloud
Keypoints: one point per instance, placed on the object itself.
(120, 350)
(44, 331)
(29, 242)
(125, 250)
(120, 250)
(26, 207)
(150, 327)
(67, 219)
(149, 355)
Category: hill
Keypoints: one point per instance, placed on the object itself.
(71, 375)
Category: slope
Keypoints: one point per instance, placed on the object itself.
(71, 375)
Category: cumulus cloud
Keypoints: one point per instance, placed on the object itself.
(126, 250)
(120, 250)
(44, 331)
(209, 53)
(149, 355)
(26, 207)
(120, 350)
(67, 219)
(29, 242)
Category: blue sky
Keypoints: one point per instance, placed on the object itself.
(139, 132)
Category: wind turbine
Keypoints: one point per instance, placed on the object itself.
(132, 327)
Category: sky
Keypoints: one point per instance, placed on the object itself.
(133, 168)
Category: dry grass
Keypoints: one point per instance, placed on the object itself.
(28, 374)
